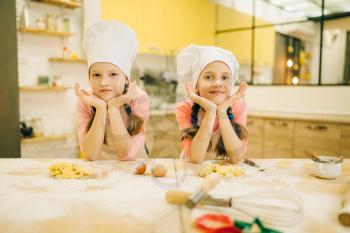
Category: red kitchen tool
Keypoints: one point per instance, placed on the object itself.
(216, 223)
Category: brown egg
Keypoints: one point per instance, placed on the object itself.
(159, 170)
(140, 168)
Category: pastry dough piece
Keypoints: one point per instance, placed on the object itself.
(69, 171)
(222, 170)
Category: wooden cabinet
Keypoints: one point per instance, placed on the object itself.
(345, 141)
(163, 137)
(271, 136)
(278, 138)
(268, 137)
(255, 127)
(320, 138)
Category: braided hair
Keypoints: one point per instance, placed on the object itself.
(220, 148)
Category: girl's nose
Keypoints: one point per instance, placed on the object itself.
(217, 82)
(105, 80)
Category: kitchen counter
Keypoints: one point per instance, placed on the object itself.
(287, 115)
(119, 201)
(331, 118)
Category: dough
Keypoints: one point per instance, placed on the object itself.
(69, 171)
(222, 170)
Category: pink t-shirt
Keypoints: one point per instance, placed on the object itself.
(183, 112)
(140, 106)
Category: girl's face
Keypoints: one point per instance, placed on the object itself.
(107, 80)
(215, 82)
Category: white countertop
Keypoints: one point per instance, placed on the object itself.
(32, 201)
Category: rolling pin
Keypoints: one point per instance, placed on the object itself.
(180, 197)
(344, 215)
(208, 184)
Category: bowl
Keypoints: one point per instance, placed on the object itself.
(328, 167)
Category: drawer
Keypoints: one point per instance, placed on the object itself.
(321, 138)
(278, 138)
(345, 141)
(255, 127)
(163, 145)
(166, 124)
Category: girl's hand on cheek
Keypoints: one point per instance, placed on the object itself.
(203, 102)
(125, 98)
(89, 99)
(240, 93)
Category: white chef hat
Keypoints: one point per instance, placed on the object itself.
(192, 60)
(113, 42)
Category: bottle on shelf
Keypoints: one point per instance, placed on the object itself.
(65, 53)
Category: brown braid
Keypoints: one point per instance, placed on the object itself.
(135, 123)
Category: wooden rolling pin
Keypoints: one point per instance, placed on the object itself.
(344, 215)
(180, 197)
(208, 184)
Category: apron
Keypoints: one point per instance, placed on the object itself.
(108, 152)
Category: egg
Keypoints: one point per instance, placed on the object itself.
(140, 168)
(159, 170)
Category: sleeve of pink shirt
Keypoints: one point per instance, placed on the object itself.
(183, 116)
(83, 116)
(240, 110)
(183, 112)
(139, 106)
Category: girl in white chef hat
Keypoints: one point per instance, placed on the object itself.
(110, 119)
(212, 121)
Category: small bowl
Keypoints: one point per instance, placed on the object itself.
(327, 167)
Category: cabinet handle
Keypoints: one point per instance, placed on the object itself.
(317, 127)
(279, 124)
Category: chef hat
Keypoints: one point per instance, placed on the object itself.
(192, 60)
(113, 42)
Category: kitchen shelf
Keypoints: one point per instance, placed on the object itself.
(42, 88)
(61, 3)
(45, 32)
(69, 60)
(45, 138)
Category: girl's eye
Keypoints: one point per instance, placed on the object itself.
(95, 75)
(207, 77)
(114, 74)
(225, 77)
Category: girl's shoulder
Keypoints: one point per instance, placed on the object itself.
(239, 106)
(140, 105)
(184, 105)
(141, 98)
(184, 108)
(82, 107)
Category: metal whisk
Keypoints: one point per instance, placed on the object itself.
(278, 207)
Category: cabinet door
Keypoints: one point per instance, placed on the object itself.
(320, 138)
(345, 141)
(255, 127)
(278, 138)
(163, 145)
(163, 137)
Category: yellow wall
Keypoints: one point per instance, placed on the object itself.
(165, 25)
(228, 18)
(239, 42)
